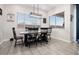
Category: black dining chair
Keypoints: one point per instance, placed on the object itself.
(43, 35)
(39, 39)
(35, 37)
(49, 33)
(31, 38)
(18, 39)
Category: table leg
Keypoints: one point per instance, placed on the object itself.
(25, 40)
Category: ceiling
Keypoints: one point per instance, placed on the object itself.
(43, 7)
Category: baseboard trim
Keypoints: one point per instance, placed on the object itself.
(4, 41)
(60, 39)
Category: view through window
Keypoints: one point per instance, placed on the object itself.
(57, 20)
(25, 19)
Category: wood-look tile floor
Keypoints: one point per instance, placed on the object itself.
(54, 47)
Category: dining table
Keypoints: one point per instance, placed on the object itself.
(42, 33)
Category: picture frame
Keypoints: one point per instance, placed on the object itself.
(44, 20)
(0, 11)
(10, 17)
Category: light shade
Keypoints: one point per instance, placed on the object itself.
(35, 15)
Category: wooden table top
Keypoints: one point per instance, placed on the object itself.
(26, 32)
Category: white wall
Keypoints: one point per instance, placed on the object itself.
(45, 24)
(59, 33)
(1, 26)
(73, 23)
(6, 27)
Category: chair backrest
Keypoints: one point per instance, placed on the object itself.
(29, 37)
(44, 30)
(14, 33)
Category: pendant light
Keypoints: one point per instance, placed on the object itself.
(35, 12)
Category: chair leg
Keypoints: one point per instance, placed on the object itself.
(36, 42)
(50, 38)
(29, 44)
(22, 42)
(15, 43)
(41, 42)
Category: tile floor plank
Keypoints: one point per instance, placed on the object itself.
(54, 47)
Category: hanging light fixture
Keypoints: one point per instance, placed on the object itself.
(35, 12)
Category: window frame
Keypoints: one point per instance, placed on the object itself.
(55, 26)
(24, 24)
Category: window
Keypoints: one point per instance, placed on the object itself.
(25, 19)
(57, 21)
(52, 21)
(20, 18)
